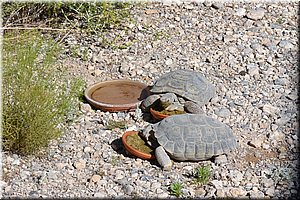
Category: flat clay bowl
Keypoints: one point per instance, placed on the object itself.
(116, 95)
(134, 151)
(158, 115)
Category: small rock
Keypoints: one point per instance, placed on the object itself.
(87, 149)
(218, 184)
(16, 162)
(100, 195)
(33, 194)
(217, 5)
(292, 96)
(256, 142)
(119, 174)
(221, 159)
(128, 189)
(220, 193)
(162, 195)
(240, 12)
(97, 72)
(151, 11)
(228, 38)
(86, 107)
(177, 18)
(200, 192)
(285, 44)
(255, 193)
(280, 81)
(256, 14)
(237, 192)
(270, 192)
(159, 191)
(95, 178)
(268, 108)
(207, 4)
(223, 112)
(80, 164)
(169, 62)
(125, 67)
(253, 69)
(282, 120)
(265, 146)
(91, 67)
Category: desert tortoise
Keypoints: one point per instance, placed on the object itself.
(188, 137)
(187, 84)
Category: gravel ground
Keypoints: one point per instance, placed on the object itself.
(248, 51)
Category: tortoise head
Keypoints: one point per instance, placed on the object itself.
(148, 135)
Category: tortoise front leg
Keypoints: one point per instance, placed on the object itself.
(163, 158)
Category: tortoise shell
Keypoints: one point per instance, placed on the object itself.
(185, 83)
(194, 137)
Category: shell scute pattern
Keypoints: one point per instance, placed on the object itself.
(186, 139)
(185, 83)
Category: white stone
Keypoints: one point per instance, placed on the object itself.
(238, 192)
(169, 61)
(80, 164)
(221, 159)
(256, 14)
(256, 142)
(268, 108)
(97, 72)
(253, 69)
(87, 149)
(96, 178)
(218, 184)
(100, 195)
(240, 12)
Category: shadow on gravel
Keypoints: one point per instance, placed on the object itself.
(118, 147)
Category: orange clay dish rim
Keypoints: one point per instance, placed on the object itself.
(157, 114)
(134, 151)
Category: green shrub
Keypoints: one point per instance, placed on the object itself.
(37, 97)
(94, 17)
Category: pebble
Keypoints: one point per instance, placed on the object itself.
(269, 109)
(240, 12)
(97, 72)
(286, 44)
(256, 142)
(169, 61)
(217, 184)
(96, 178)
(223, 112)
(253, 69)
(256, 14)
(238, 192)
(221, 159)
(100, 195)
(80, 164)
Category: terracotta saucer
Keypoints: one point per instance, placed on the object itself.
(158, 115)
(116, 95)
(134, 151)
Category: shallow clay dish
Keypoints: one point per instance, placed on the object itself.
(116, 95)
(134, 151)
(158, 115)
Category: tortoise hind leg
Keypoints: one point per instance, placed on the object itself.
(162, 158)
